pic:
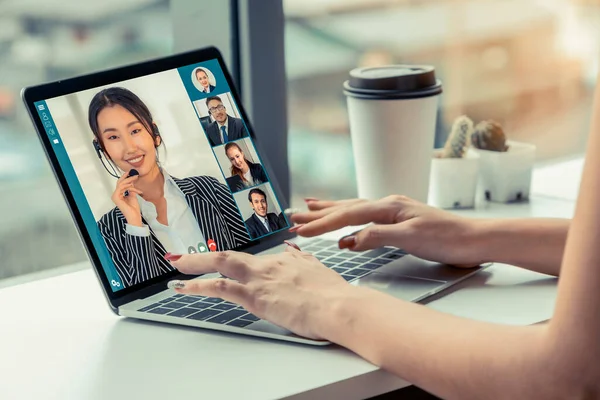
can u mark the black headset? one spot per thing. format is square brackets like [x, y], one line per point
[100, 151]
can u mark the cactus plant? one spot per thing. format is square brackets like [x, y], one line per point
[457, 141]
[488, 135]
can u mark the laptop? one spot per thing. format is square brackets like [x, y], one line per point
[178, 121]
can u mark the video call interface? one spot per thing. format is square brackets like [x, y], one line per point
[160, 164]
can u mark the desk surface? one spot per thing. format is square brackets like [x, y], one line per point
[558, 178]
[58, 340]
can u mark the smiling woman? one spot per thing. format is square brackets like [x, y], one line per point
[204, 80]
[244, 173]
[154, 212]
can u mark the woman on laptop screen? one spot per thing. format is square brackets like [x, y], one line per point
[244, 173]
[155, 213]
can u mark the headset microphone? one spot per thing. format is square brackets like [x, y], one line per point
[97, 147]
[132, 172]
[99, 152]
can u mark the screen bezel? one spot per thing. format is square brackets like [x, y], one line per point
[33, 94]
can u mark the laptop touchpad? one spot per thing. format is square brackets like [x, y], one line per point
[402, 287]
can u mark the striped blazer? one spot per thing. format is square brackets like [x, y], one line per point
[138, 259]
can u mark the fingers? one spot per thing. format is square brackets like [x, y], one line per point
[235, 265]
[226, 289]
[375, 236]
[130, 187]
[326, 207]
[132, 190]
[126, 184]
[122, 177]
[356, 214]
[304, 217]
[316, 205]
[296, 250]
[126, 177]
[120, 194]
[291, 246]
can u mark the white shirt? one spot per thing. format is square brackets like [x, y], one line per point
[182, 232]
[264, 221]
[226, 125]
[249, 179]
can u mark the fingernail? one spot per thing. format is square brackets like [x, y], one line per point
[172, 257]
[176, 284]
[290, 211]
[295, 228]
[309, 199]
[294, 245]
[347, 242]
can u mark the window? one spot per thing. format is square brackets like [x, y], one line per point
[531, 65]
[39, 44]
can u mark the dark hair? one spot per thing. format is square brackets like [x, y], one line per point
[213, 98]
[253, 191]
[235, 170]
[198, 70]
[126, 99]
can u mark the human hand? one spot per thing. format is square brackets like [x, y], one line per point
[128, 205]
[291, 289]
[424, 231]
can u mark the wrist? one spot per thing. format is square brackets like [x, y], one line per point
[134, 221]
[335, 312]
[486, 239]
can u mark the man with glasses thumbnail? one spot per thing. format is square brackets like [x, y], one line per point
[225, 128]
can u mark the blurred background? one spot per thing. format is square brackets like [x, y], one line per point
[529, 64]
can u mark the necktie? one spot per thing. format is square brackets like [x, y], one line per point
[225, 139]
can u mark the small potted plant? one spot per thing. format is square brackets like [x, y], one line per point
[505, 166]
[454, 169]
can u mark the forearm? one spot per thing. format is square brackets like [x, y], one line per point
[143, 263]
[533, 243]
[451, 357]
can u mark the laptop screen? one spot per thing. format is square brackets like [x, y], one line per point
[162, 163]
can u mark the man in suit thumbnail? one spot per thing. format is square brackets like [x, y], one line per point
[261, 222]
[225, 128]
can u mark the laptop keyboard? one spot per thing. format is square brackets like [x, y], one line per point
[349, 264]
[202, 308]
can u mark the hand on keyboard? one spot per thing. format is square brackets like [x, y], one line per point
[290, 289]
[399, 221]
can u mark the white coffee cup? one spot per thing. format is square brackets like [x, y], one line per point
[392, 112]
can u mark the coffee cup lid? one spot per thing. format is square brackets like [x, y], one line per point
[393, 82]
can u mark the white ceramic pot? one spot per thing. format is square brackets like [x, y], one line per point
[506, 176]
[453, 181]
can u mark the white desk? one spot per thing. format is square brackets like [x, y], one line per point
[58, 340]
[558, 178]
